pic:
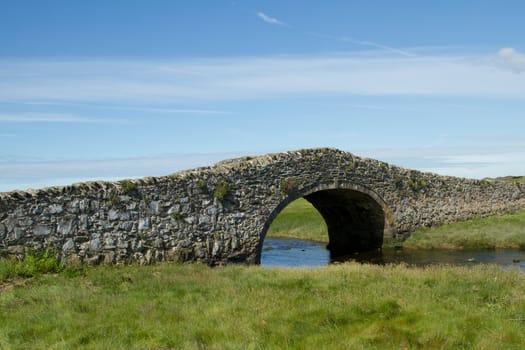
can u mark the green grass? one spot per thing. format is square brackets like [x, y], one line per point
[34, 264]
[299, 220]
[495, 232]
[347, 306]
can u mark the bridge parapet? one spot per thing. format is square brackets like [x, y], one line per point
[220, 214]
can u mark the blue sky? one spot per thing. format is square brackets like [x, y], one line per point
[117, 89]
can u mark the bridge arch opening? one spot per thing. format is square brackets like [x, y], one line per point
[357, 220]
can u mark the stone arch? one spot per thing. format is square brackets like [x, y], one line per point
[357, 218]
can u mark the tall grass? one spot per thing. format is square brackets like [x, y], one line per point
[33, 264]
[347, 306]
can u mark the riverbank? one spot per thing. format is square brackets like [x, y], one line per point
[300, 220]
[495, 232]
[334, 307]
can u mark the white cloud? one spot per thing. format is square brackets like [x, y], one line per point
[242, 78]
[471, 162]
[53, 118]
[173, 110]
[39, 173]
[490, 158]
[269, 19]
[512, 59]
[160, 110]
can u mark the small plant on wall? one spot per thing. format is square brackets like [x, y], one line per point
[485, 184]
[222, 190]
[417, 185]
[201, 184]
[113, 200]
[177, 215]
[287, 186]
[128, 186]
[351, 165]
[398, 181]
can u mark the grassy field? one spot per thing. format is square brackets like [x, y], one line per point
[347, 306]
[301, 220]
[495, 232]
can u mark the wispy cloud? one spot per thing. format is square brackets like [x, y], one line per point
[17, 174]
[371, 107]
[53, 118]
[471, 162]
[170, 110]
[474, 161]
[160, 110]
[368, 43]
[121, 82]
[377, 45]
[269, 19]
[512, 59]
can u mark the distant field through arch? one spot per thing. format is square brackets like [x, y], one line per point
[299, 219]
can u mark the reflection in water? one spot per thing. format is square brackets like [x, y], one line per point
[297, 253]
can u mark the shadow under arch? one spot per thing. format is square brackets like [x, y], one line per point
[357, 219]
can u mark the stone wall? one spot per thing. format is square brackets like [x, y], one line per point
[220, 214]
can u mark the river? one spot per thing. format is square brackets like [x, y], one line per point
[299, 253]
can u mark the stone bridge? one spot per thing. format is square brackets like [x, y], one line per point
[220, 214]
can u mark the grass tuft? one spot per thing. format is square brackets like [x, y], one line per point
[33, 264]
